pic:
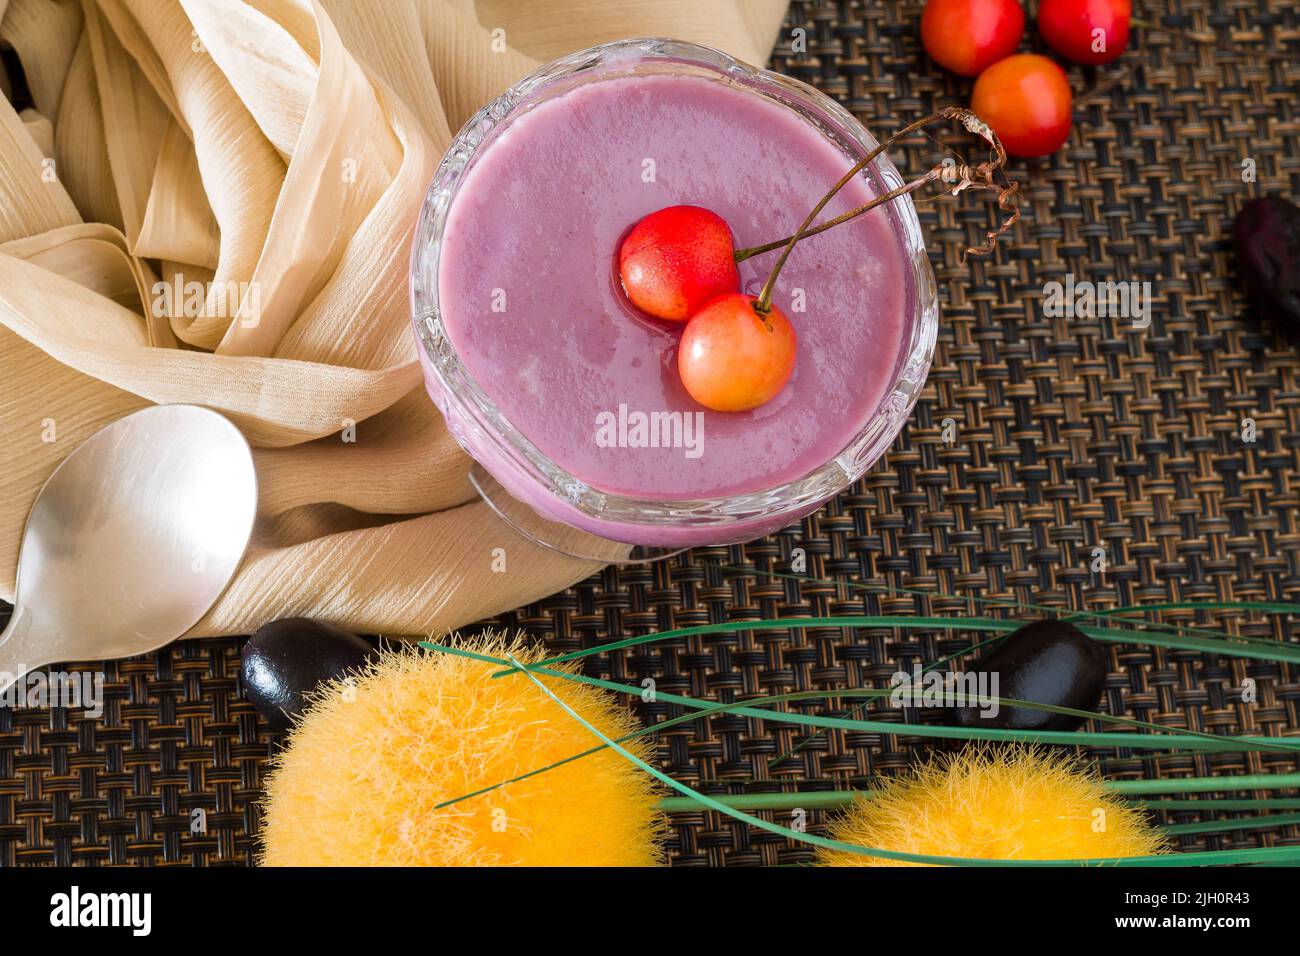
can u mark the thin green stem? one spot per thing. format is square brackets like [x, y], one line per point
[1192, 740]
[1266, 821]
[1063, 614]
[1267, 855]
[1278, 607]
[1193, 806]
[835, 799]
[1277, 651]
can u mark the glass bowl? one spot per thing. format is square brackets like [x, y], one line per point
[515, 466]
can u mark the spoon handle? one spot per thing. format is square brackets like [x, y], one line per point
[16, 648]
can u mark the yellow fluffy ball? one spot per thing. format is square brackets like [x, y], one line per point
[367, 764]
[1010, 803]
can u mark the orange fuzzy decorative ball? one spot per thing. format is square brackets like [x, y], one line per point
[1010, 803]
[369, 761]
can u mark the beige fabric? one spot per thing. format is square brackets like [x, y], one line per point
[271, 156]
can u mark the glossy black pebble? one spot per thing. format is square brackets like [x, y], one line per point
[285, 660]
[1266, 244]
[1046, 662]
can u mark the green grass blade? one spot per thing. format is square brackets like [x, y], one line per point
[1234, 784]
[717, 709]
[1167, 741]
[836, 799]
[639, 732]
[1276, 651]
[1042, 608]
[1193, 805]
[1266, 821]
[1272, 607]
[1269, 854]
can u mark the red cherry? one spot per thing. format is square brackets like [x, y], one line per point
[1090, 32]
[677, 259]
[966, 36]
[1026, 99]
[732, 357]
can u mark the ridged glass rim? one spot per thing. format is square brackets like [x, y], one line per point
[480, 421]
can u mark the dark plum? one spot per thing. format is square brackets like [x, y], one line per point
[1045, 662]
[1266, 241]
[286, 660]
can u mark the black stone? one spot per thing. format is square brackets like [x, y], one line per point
[285, 660]
[1045, 662]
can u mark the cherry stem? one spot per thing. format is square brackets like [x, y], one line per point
[743, 254]
[965, 176]
[1150, 25]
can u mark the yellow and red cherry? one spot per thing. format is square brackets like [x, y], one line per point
[967, 36]
[734, 357]
[1026, 98]
[675, 260]
[1091, 32]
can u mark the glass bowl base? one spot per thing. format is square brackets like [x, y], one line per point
[555, 536]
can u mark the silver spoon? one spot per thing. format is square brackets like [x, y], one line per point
[131, 540]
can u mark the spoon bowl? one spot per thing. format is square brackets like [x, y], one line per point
[131, 540]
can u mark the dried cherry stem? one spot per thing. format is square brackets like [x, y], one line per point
[1152, 25]
[964, 176]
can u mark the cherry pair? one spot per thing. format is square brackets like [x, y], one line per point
[679, 265]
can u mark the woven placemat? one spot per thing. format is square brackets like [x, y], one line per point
[1066, 435]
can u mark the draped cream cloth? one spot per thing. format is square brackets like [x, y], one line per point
[273, 155]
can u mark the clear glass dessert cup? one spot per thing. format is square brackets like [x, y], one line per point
[512, 474]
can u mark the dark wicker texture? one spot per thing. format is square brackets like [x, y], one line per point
[1071, 434]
